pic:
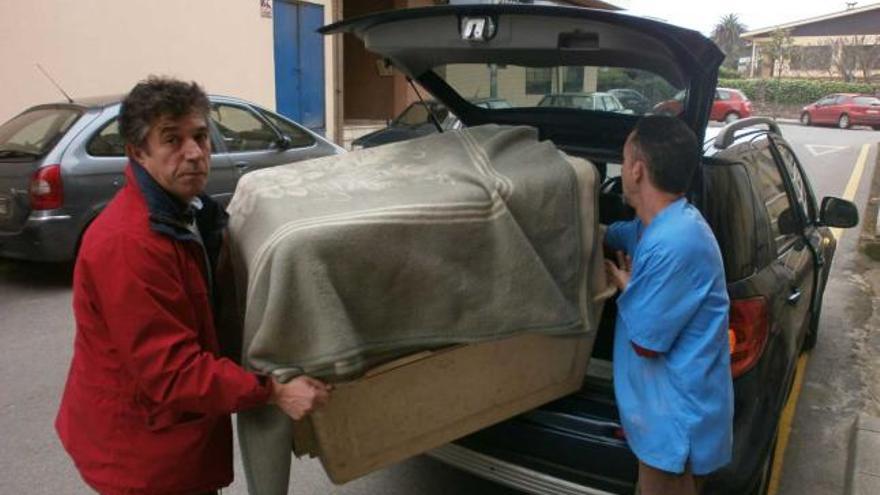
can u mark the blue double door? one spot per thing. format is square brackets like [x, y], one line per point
[299, 62]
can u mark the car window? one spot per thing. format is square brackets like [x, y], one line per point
[826, 101]
[241, 129]
[36, 131]
[771, 189]
[417, 114]
[298, 137]
[866, 100]
[802, 190]
[564, 86]
[108, 141]
[840, 100]
[722, 95]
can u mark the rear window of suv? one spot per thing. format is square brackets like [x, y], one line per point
[35, 132]
[594, 88]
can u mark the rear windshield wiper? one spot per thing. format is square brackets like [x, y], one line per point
[18, 154]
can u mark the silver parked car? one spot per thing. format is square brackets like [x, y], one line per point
[61, 163]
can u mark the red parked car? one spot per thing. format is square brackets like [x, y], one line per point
[844, 110]
[729, 105]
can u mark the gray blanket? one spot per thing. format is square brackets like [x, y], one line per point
[347, 261]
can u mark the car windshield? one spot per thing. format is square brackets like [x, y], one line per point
[602, 89]
[417, 114]
[866, 101]
[33, 133]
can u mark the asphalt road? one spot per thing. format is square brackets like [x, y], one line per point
[36, 332]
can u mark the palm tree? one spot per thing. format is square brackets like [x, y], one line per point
[727, 36]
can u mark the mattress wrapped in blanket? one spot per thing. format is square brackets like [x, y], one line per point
[346, 261]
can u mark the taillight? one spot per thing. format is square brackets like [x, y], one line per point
[45, 191]
[749, 328]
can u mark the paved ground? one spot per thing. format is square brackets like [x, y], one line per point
[842, 376]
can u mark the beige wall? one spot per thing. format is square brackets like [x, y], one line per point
[99, 47]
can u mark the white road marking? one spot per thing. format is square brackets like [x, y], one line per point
[823, 149]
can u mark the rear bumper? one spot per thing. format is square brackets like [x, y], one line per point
[49, 237]
[508, 474]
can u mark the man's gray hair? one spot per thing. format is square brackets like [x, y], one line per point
[154, 98]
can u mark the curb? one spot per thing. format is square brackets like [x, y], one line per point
[869, 239]
[863, 465]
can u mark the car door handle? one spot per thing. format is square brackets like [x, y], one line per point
[241, 165]
[794, 297]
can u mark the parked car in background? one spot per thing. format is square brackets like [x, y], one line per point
[605, 102]
[61, 163]
[751, 187]
[728, 106]
[416, 121]
[632, 100]
[843, 110]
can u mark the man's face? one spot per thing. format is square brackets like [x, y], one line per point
[177, 154]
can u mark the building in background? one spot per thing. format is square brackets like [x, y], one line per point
[843, 45]
[261, 50]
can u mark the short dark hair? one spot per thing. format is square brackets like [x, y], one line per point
[669, 147]
[154, 98]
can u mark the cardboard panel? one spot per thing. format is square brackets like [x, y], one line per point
[403, 410]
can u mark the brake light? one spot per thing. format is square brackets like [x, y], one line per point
[749, 329]
[45, 190]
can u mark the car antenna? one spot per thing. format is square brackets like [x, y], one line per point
[69, 99]
[428, 107]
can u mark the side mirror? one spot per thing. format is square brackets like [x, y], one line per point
[284, 142]
[836, 212]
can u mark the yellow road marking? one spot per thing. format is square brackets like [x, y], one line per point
[785, 426]
[787, 417]
[854, 180]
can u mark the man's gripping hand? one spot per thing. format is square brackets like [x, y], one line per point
[300, 396]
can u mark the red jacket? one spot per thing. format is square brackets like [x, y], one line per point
[147, 401]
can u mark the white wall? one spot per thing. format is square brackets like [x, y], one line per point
[99, 47]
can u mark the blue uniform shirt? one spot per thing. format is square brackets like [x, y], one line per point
[678, 407]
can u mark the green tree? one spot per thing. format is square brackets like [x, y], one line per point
[726, 35]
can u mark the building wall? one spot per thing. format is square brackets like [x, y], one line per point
[100, 47]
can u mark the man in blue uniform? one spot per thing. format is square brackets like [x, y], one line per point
[671, 352]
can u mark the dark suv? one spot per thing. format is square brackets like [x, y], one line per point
[773, 234]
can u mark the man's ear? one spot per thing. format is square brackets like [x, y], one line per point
[639, 171]
[134, 153]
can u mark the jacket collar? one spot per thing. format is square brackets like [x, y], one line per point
[168, 215]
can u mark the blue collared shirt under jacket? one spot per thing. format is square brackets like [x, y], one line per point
[676, 408]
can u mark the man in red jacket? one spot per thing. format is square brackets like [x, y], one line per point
[148, 397]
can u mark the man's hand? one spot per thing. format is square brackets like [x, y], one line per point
[621, 272]
[300, 396]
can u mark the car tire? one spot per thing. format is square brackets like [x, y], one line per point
[731, 117]
[806, 119]
[843, 121]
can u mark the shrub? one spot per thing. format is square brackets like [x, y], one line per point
[792, 91]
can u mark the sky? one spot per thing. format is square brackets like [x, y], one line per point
[755, 14]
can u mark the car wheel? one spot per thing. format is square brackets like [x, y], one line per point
[843, 121]
[806, 119]
[731, 117]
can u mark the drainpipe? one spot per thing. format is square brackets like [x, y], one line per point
[754, 59]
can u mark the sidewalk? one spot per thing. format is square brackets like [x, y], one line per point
[863, 468]
[863, 465]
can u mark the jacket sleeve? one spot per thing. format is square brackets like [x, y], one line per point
[151, 323]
